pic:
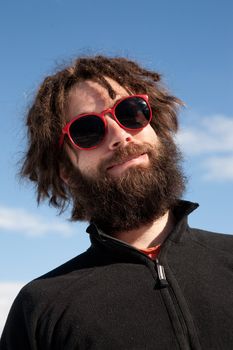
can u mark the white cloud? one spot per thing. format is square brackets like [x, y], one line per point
[212, 134]
[219, 168]
[210, 138]
[8, 292]
[19, 220]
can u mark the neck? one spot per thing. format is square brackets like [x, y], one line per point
[149, 235]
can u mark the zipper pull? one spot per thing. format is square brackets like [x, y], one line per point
[161, 274]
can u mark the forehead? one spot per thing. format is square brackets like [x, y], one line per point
[89, 96]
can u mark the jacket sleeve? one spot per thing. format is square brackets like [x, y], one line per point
[17, 333]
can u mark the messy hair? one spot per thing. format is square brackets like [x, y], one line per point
[46, 117]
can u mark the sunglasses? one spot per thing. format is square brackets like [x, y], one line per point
[87, 131]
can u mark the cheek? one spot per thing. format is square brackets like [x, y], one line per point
[86, 162]
[149, 135]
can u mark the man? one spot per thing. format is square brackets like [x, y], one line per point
[101, 137]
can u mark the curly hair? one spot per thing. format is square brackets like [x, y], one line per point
[46, 117]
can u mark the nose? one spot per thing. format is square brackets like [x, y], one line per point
[116, 135]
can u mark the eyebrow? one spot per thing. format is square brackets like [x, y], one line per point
[92, 112]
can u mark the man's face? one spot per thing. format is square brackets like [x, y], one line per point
[130, 179]
[89, 96]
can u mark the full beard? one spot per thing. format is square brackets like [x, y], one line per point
[139, 196]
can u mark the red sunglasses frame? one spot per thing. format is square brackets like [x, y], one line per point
[66, 128]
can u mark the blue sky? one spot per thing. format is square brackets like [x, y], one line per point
[189, 42]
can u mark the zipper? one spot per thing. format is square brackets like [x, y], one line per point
[161, 275]
[173, 308]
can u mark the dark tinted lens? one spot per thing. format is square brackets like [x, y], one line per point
[87, 131]
[133, 113]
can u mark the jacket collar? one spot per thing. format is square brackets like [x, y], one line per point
[119, 249]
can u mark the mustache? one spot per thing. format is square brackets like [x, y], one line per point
[125, 153]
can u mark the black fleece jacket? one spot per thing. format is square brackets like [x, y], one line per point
[114, 297]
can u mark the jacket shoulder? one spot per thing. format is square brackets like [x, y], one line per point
[50, 283]
[218, 241]
[82, 261]
[37, 297]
